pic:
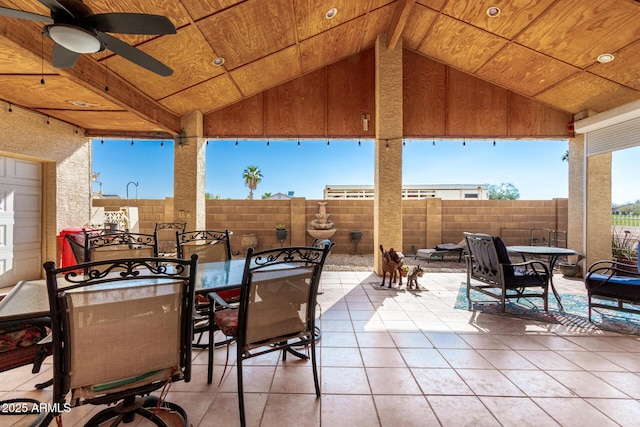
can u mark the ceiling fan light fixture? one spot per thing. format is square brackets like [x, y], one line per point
[605, 57]
[218, 62]
[331, 13]
[73, 38]
[493, 11]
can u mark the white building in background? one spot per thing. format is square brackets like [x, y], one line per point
[441, 191]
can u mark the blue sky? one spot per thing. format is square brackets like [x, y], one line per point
[534, 167]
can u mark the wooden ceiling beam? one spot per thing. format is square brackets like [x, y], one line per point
[90, 74]
[398, 22]
[124, 134]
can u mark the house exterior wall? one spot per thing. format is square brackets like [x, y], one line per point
[65, 154]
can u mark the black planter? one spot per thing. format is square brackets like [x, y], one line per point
[356, 236]
[281, 235]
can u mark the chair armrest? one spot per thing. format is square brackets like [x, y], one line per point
[214, 299]
[532, 264]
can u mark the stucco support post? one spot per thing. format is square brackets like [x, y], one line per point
[576, 202]
[598, 208]
[189, 173]
[387, 212]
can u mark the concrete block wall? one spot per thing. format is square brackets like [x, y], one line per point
[426, 222]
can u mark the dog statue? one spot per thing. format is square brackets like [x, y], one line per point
[392, 264]
[412, 278]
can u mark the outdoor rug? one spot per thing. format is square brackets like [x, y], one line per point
[574, 314]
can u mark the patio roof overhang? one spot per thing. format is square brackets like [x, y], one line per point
[544, 52]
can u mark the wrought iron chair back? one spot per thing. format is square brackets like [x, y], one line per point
[166, 235]
[121, 329]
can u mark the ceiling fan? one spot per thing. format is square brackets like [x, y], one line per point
[75, 29]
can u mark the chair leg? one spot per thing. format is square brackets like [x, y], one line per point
[210, 355]
[315, 367]
[243, 421]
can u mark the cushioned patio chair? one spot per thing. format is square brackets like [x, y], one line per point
[608, 280]
[210, 245]
[120, 332]
[489, 264]
[277, 307]
[166, 235]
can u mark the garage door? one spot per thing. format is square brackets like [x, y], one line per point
[20, 220]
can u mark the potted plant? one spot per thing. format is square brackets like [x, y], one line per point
[624, 249]
[281, 233]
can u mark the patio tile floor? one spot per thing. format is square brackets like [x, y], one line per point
[390, 358]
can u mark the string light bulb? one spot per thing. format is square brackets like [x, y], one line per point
[267, 142]
[328, 143]
[10, 110]
[236, 142]
[298, 142]
[102, 141]
[47, 119]
[132, 142]
[359, 143]
[161, 144]
[494, 142]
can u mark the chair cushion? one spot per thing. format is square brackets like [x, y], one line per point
[503, 255]
[625, 287]
[17, 338]
[227, 321]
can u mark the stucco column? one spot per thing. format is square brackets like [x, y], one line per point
[387, 211]
[576, 201]
[598, 208]
[189, 173]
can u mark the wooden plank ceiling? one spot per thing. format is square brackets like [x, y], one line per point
[544, 50]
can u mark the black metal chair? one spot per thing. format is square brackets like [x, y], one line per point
[166, 235]
[210, 245]
[277, 306]
[488, 262]
[121, 330]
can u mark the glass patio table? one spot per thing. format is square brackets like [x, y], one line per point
[552, 252]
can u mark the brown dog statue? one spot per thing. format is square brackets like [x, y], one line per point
[392, 264]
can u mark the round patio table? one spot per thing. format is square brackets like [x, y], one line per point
[551, 252]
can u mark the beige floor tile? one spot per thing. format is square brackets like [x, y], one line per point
[458, 358]
[410, 340]
[574, 412]
[629, 361]
[449, 413]
[440, 382]
[627, 382]
[506, 359]
[340, 356]
[338, 339]
[256, 379]
[224, 410]
[336, 326]
[289, 380]
[396, 381]
[344, 381]
[489, 382]
[548, 360]
[405, 411]
[517, 411]
[300, 410]
[483, 341]
[537, 384]
[590, 361]
[340, 410]
[585, 384]
[626, 412]
[423, 358]
[382, 358]
[445, 340]
[375, 339]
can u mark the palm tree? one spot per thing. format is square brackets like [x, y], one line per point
[252, 178]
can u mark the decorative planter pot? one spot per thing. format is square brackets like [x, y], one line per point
[628, 263]
[248, 241]
[281, 235]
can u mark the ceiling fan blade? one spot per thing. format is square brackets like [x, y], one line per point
[56, 7]
[131, 23]
[134, 55]
[62, 57]
[13, 13]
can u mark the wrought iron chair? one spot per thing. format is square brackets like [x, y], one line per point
[488, 263]
[210, 245]
[277, 306]
[121, 330]
[609, 280]
[166, 235]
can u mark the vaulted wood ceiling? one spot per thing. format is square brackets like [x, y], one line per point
[544, 50]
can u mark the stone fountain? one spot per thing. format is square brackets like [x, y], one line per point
[321, 227]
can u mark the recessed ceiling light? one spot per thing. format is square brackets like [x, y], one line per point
[605, 57]
[218, 62]
[331, 13]
[81, 104]
[493, 11]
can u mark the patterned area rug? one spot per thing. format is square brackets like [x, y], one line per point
[574, 313]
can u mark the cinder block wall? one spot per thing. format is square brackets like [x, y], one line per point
[425, 222]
